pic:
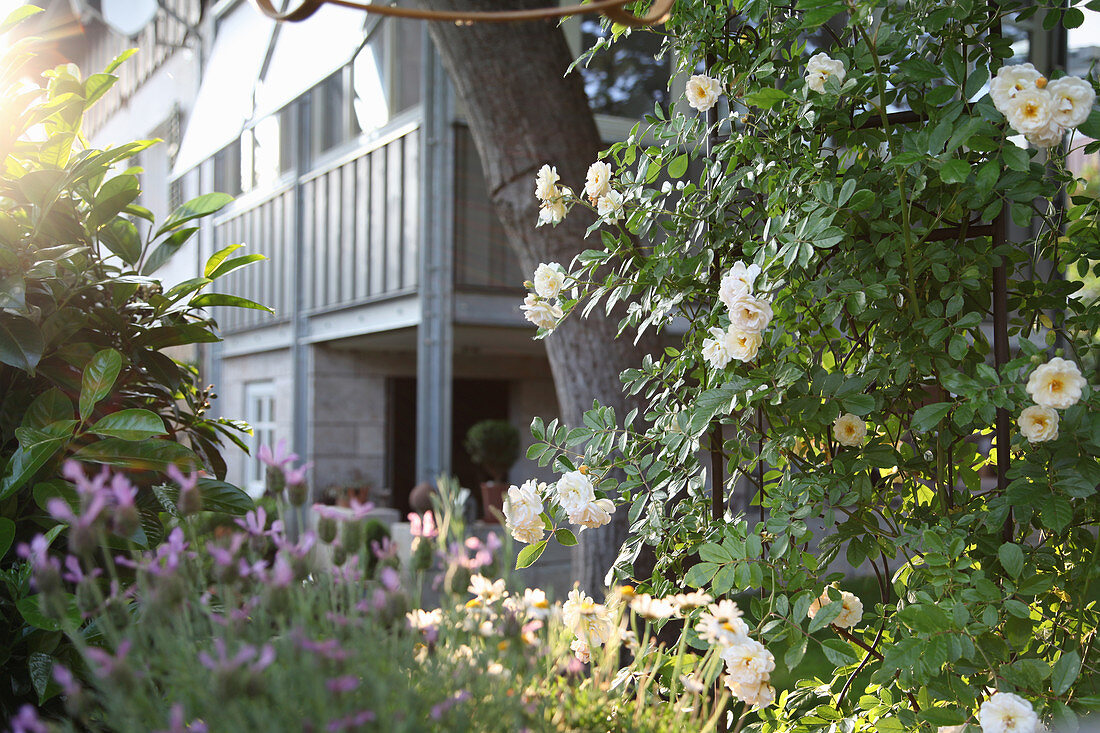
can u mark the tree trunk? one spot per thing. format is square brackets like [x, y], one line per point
[523, 112]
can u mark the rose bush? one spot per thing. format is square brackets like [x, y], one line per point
[819, 249]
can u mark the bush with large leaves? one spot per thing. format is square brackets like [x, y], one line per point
[83, 325]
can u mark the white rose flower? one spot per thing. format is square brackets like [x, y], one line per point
[820, 67]
[702, 92]
[528, 532]
[758, 695]
[1047, 137]
[851, 609]
[1011, 80]
[552, 211]
[548, 280]
[522, 510]
[651, 608]
[749, 314]
[487, 591]
[714, 349]
[721, 624]
[1030, 110]
[1073, 98]
[589, 621]
[541, 312]
[610, 206]
[1005, 712]
[575, 491]
[581, 651]
[738, 281]
[546, 183]
[1057, 384]
[849, 430]
[593, 514]
[1038, 424]
[748, 662]
[598, 181]
[742, 345]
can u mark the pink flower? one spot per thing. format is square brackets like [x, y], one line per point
[297, 476]
[347, 683]
[325, 511]
[384, 550]
[255, 523]
[176, 724]
[27, 721]
[280, 458]
[106, 664]
[423, 527]
[391, 581]
[264, 657]
[281, 575]
[360, 511]
[351, 722]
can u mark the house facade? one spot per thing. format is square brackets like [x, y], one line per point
[396, 323]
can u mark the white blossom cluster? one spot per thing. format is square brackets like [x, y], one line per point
[597, 187]
[1005, 712]
[574, 492]
[590, 622]
[1041, 111]
[1053, 386]
[554, 200]
[702, 92]
[820, 67]
[748, 664]
[540, 307]
[748, 316]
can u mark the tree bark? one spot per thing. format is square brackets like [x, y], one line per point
[524, 112]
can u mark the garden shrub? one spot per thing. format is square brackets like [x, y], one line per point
[83, 325]
[826, 228]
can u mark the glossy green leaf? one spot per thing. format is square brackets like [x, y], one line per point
[166, 249]
[131, 424]
[565, 537]
[51, 406]
[7, 535]
[207, 300]
[220, 496]
[1065, 672]
[1012, 559]
[99, 378]
[930, 416]
[21, 343]
[217, 258]
[32, 611]
[528, 555]
[196, 208]
[145, 455]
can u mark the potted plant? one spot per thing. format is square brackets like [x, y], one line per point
[494, 446]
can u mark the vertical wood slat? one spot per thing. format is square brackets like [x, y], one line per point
[317, 253]
[410, 190]
[362, 227]
[394, 215]
[333, 254]
[378, 220]
[347, 232]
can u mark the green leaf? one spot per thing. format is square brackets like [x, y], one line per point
[224, 497]
[51, 406]
[1091, 126]
[1012, 559]
[187, 333]
[145, 455]
[725, 579]
[166, 249]
[17, 16]
[711, 552]
[1056, 513]
[219, 257]
[700, 574]
[766, 98]
[21, 343]
[117, 61]
[528, 555]
[1065, 673]
[839, 652]
[32, 612]
[230, 265]
[954, 171]
[99, 378]
[678, 166]
[7, 535]
[122, 238]
[132, 424]
[1015, 158]
[565, 537]
[211, 299]
[40, 667]
[825, 615]
[113, 196]
[858, 404]
[930, 416]
[35, 448]
[196, 208]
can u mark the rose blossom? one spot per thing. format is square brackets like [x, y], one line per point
[552, 211]
[820, 67]
[702, 92]
[1005, 712]
[748, 662]
[1073, 98]
[610, 206]
[1030, 110]
[522, 510]
[542, 313]
[1047, 137]
[598, 181]
[721, 623]
[546, 183]
[581, 650]
[593, 514]
[737, 281]
[548, 280]
[1011, 80]
[759, 695]
[742, 345]
[749, 314]
[714, 349]
[1038, 424]
[849, 430]
[589, 621]
[1057, 384]
[575, 491]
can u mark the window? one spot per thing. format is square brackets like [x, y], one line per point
[626, 79]
[259, 410]
[331, 113]
[227, 169]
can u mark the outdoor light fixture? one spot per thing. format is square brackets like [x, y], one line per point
[612, 9]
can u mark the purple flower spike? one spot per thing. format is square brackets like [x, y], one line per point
[347, 683]
[297, 476]
[325, 511]
[279, 458]
[176, 724]
[255, 523]
[361, 511]
[384, 550]
[27, 721]
[391, 581]
[107, 664]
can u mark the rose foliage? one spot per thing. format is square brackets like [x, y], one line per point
[823, 265]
